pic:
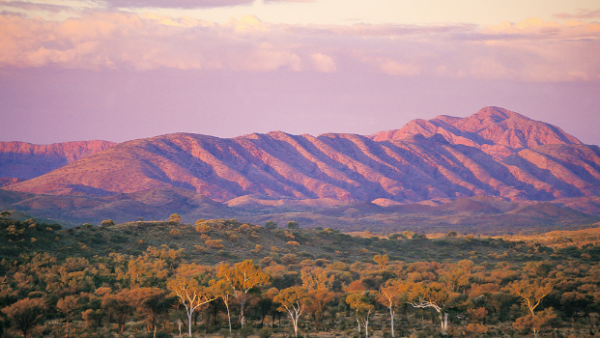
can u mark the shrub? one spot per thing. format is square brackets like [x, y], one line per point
[214, 243]
[158, 335]
[224, 333]
[233, 237]
[419, 237]
[265, 332]
[200, 249]
[118, 239]
[87, 226]
[290, 259]
[270, 225]
[265, 262]
[203, 228]
[108, 222]
[245, 331]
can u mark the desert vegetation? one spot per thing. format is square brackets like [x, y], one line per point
[169, 279]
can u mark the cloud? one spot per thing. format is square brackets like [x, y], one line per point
[183, 4]
[530, 51]
[323, 63]
[267, 1]
[31, 6]
[581, 14]
[399, 69]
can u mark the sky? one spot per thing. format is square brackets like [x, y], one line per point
[119, 70]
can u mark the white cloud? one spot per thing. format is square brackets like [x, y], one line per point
[533, 51]
[187, 4]
[323, 63]
[399, 69]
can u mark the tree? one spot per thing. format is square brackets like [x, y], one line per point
[457, 275]
[119, 306]
[68, 305]
[175, 218]
[270, 225]
[151, 303]
[25, 313]
[5, 213]
[266, 306]
[531, 293]
[318, 284]
[223, 289]
[292, 300]
[536, 323]
[432, 296]
[381, 260]
[243, 277]
[363, 308]
[316, 304]
[390, 295]
[293, 225]
[191, 294]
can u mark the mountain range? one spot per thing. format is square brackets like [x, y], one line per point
[494, 152]
[21, 161]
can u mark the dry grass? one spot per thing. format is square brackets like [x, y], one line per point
[560, 239]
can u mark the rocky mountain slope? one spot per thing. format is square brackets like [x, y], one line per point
[497, 131]
[493, 152]
[21, 161]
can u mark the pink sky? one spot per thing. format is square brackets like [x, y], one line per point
[111, 70]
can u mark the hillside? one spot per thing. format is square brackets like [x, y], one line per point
[494, 152]
[479, 215]
[236, 241]
[21, 161]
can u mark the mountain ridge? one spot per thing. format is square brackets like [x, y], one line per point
[493, 152]
[22, 161]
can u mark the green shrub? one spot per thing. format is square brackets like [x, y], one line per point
[224, 333]
[245, 331]
[158, 335]
[265, 332]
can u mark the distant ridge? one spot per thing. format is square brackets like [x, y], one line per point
[494, 152]
[23, 161]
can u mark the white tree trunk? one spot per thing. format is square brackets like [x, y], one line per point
[295, 317]
[189, 314]
[444, 324]
[242, 305]
[295, 323]
[228, 317]
[392, 320]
